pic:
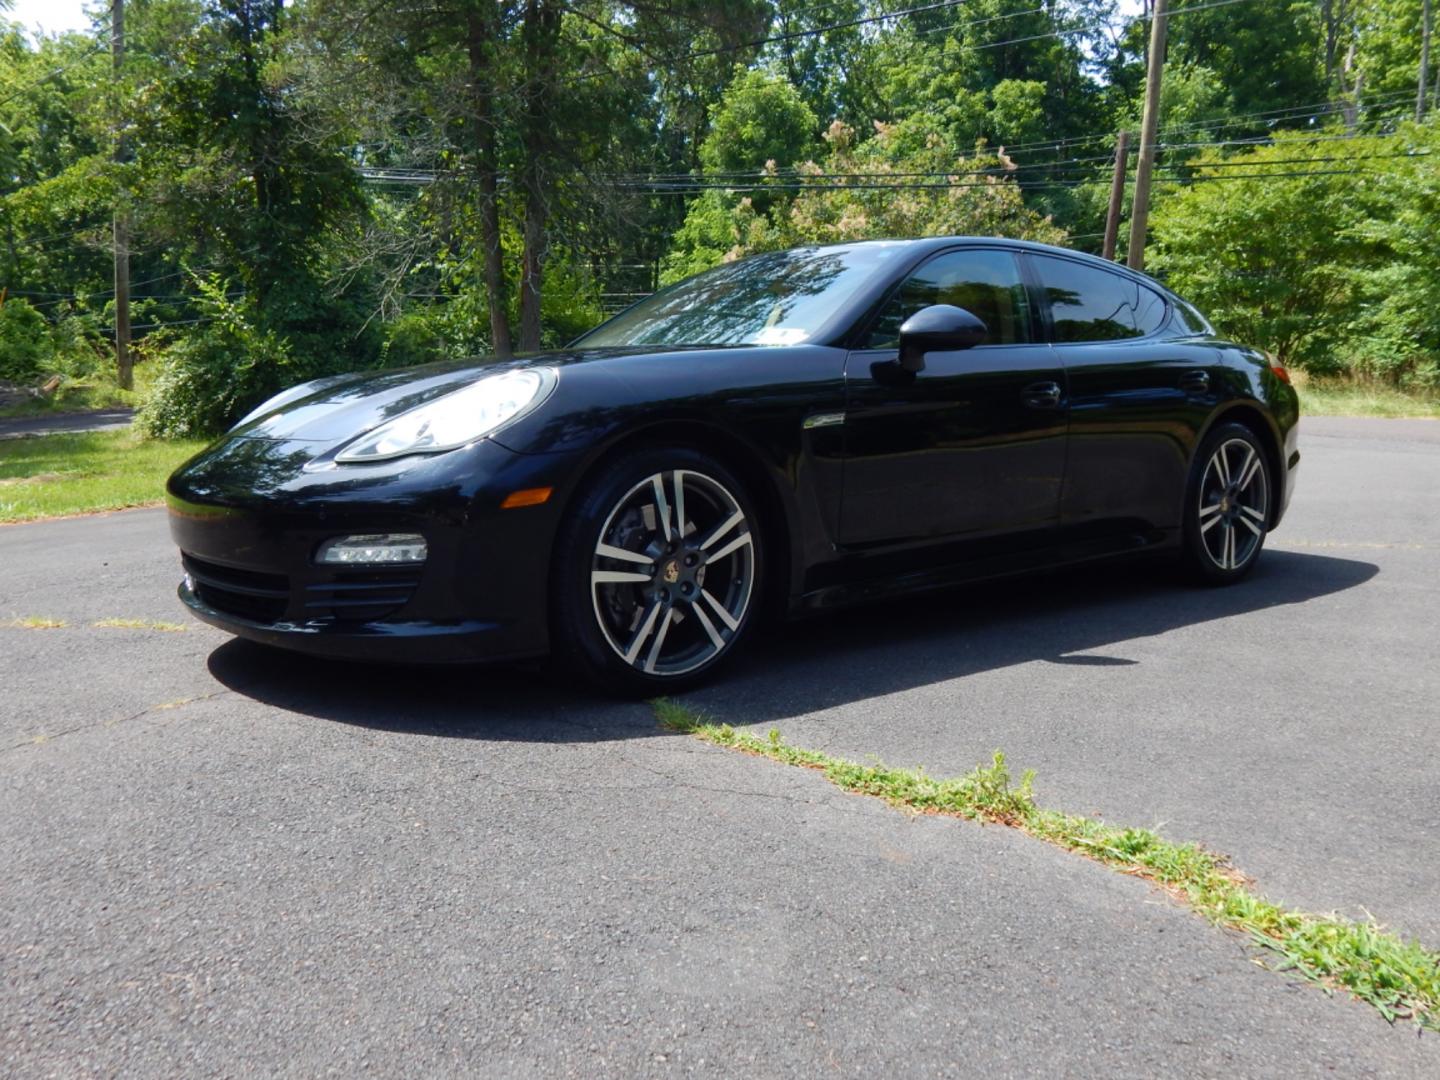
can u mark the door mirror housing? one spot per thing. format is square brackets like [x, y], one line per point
[939, 326]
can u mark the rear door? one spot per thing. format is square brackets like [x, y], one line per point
[1138, 391]
[971, 447]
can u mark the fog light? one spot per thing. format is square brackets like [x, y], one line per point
[371, 548]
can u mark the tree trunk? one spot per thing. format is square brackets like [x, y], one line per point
[541, 34]
[1350, 100]
[481, 31]
[1333, 16]
[261, 268]
[1424, 59]
[120, 224]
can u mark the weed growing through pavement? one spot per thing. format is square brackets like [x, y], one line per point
[139, 624]
[35, 622]
[1399, 978]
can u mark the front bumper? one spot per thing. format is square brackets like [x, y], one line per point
[403, 641]
[248, 546]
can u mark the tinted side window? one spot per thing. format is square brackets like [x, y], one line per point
[1150, 314]
[1192, 320]
[1090, 304]
[985, 283]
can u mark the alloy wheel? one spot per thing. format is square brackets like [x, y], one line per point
[672, 573]
[1234, 504]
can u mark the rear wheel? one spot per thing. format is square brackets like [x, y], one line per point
[1227, 507]
[657, 572]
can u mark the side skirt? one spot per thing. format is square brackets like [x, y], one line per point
[995, 567]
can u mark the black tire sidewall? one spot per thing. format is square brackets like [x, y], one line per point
[1198, 562]
[576, 641]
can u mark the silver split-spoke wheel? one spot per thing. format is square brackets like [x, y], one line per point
[673, 573]
[1234, 504]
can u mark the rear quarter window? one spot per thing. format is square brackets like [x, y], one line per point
[1189, 319]
[1152, 311]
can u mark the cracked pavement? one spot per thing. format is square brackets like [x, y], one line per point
[219, 860]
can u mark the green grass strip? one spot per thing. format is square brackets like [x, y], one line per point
[83, 472]
[1344, 397]
[1399, 978]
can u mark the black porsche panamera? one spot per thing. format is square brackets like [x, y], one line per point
[791, 431]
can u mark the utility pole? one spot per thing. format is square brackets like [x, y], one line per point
[1424, 58]
[124, 366]
[1140, 212]
[1117, 193]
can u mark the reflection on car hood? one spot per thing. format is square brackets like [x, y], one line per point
[343, 407]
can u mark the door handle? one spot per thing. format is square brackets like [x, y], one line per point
[1041, 395]
[1195, 382]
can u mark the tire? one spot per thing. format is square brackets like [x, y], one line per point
[1228, 505]
[657, 574]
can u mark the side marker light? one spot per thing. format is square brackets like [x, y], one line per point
[527, 497]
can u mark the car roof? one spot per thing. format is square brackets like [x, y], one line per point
[924, 245]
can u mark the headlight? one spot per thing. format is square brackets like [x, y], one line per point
[457, 418]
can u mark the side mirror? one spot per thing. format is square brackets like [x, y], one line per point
[939, 326]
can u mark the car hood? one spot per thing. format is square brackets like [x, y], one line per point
[339, 408]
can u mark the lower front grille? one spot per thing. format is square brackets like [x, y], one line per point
[360, 596]
[349, 596]
[247, 594]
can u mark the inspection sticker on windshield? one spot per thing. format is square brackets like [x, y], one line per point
[780, 335]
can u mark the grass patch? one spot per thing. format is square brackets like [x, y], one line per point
[98, 390]
[53, 475]
[1399, 978]
[35, 622]
[139, 624]
[72, 397]
[1328, 397]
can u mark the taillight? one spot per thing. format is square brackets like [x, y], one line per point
[1278, 368]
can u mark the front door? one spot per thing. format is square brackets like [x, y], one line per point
[973, 446]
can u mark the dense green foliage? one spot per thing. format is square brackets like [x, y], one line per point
[1333, 270]
[331, 184]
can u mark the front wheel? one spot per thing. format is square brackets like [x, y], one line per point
[657, 572]
[1227, 506]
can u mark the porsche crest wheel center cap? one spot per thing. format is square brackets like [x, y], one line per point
[685, 570]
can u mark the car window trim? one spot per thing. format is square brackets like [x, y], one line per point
[1043, 299]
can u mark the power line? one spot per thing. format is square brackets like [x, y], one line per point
[1313, 109]
[723, 178]
[794, 179]
[1024, 185]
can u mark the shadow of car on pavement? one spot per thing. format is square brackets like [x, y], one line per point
[799, 667]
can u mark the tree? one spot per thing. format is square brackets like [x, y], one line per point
[54, 180]
[1385, 45]
[903, 181]
[761, 119]
[1320, 252]
[1268, 54]
[1395, 334]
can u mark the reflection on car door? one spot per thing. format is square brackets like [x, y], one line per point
[973, 446]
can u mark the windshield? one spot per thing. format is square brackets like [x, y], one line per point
[781, 298]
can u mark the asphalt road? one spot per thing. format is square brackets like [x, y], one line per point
[217, 860]
[57, 423]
